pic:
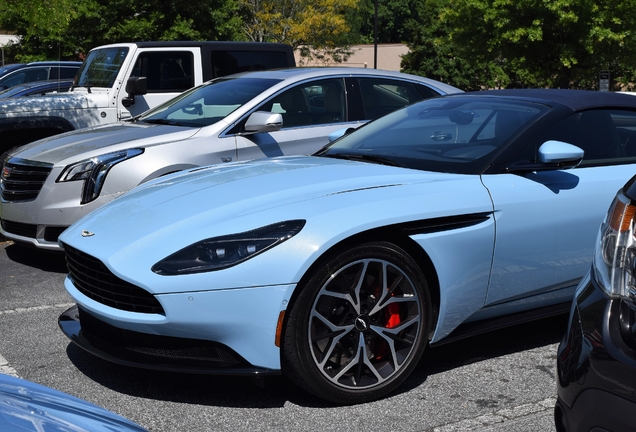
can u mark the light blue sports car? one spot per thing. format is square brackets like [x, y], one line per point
[449, 217]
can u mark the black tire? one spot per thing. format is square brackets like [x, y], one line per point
[359, 325]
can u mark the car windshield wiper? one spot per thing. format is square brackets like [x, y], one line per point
[363, 158]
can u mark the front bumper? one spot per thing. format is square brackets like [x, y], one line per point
[156, 352]
[596, 364]
[36, 224]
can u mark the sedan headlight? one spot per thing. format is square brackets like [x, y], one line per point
[93, 172]
[615, 254]
[218, 253]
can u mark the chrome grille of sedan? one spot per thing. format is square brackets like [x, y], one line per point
[22, 180]
[93, 279]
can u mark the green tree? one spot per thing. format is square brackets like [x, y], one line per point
[318, 28]
[546, 43]
[42, 26]
[53, 29]
[432, 53]
[392, 16]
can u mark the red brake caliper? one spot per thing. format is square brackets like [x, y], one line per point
[394, 315]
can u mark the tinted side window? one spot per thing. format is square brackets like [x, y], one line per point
[13, 79]
[66, 72]
[312, 103]
[166, 71]
[381, 96]
[229, 62]
[606, 136]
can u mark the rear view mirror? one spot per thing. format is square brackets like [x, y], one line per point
[137, 86]
[263, 121]
[134, 86]
[552, 155]
[461, 117]
[561, 153]
[340, 133]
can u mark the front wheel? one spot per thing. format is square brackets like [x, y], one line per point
[359, 325]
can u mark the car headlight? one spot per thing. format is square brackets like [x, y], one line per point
[93, 172]
[218, 253]
[615, 254]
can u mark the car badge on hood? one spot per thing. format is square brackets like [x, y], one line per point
[86, 233]
[6, 172]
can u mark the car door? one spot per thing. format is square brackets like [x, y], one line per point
[168, 73]
[547, 221]
[312, 110]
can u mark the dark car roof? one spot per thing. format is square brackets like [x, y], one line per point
[35, 87]
[8, 68]
[574, 99]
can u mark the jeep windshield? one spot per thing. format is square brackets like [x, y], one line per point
[208, 103]
[101, 67]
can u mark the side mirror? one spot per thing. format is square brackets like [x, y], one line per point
[263, 121]
[134, 86]
[553, 155]
[561, 153]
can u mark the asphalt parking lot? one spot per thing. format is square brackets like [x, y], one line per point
[500, 381]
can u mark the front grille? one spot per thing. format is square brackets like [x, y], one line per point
[93, 279]
[19, 228]
[158, 349]
[22, 180]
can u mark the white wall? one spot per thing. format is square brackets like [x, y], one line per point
[5, 39]
[389, 57]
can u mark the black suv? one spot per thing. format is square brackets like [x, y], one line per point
[20, 73]
[596, 361]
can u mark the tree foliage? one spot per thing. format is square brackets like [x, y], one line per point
[318, 28]
[52, 29]
[546, 43]
[471, 44]
[432, 53]
[391, 20]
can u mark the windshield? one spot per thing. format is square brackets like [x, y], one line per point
[449, 134]
[101, 67]
[208, 103]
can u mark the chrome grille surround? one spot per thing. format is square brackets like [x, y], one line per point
[22, 180]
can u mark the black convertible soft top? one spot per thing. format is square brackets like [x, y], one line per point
[574, 99]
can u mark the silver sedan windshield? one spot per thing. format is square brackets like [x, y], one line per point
[208, 103]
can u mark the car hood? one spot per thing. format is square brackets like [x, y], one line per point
[26, 407]
[260, 184]
[85, 143]
[65, 101]
[224, 199]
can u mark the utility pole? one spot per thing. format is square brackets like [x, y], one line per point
[375, 34]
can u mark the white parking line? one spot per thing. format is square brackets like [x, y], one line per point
[6, 369]
[498, 417]
[36, 308]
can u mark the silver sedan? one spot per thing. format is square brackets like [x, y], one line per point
[47, 185]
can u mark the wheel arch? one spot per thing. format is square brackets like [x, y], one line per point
[394, 235]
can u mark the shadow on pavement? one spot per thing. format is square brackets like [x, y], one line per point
[230, 391]
[32, 257]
